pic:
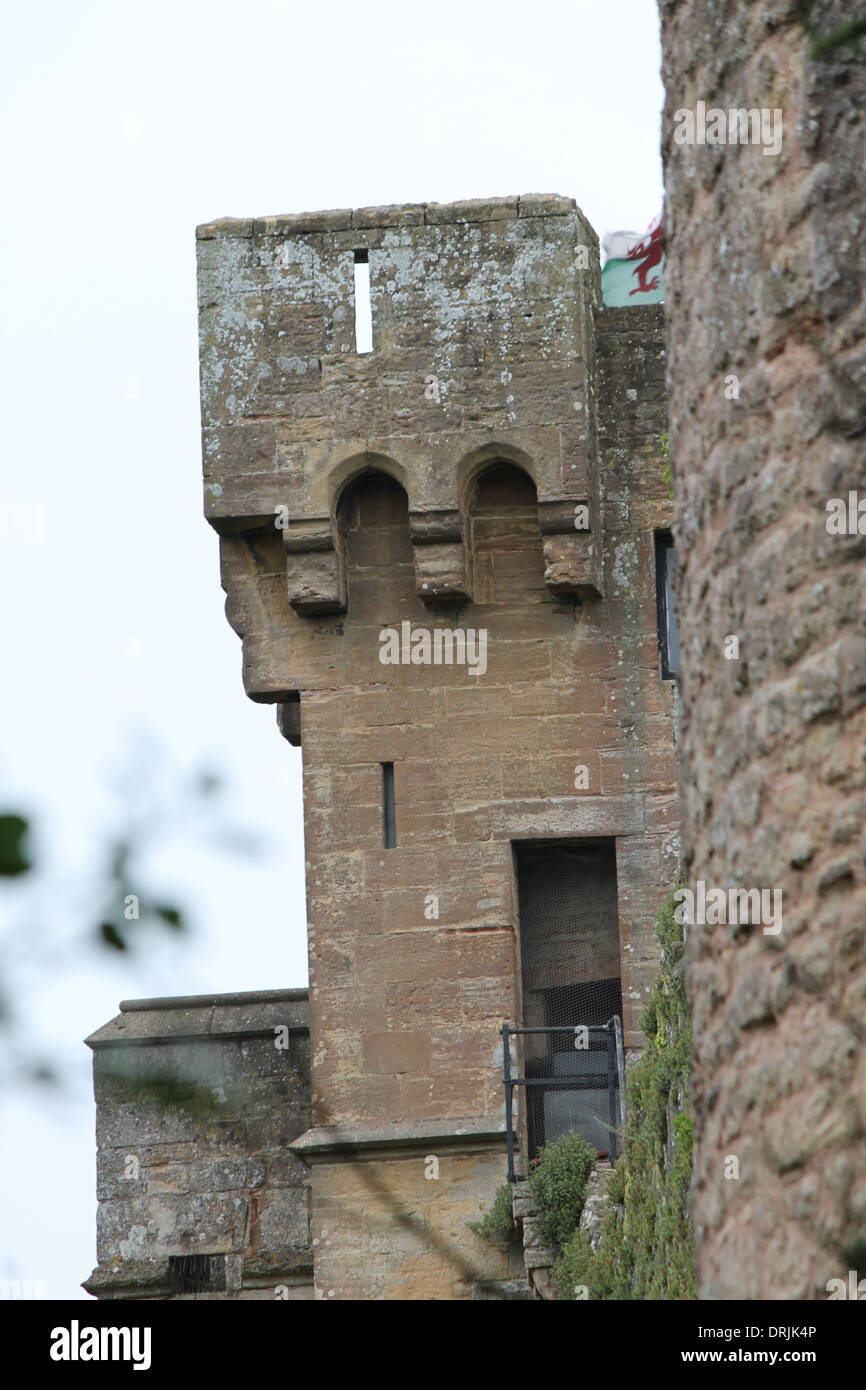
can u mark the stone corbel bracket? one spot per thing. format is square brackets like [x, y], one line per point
[572, 552]
[440, 556]
[315, 567]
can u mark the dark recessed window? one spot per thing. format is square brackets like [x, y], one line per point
[197, 1273]
[669, 638]
[570, 965]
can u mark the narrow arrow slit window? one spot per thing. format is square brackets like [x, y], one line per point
[389, 816]
[363, 306]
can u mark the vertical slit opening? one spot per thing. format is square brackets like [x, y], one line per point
[669, 640]
[389, 822]
[363, 306]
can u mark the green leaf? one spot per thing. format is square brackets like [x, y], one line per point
[13, 859]
[171, 915]
[112, 937]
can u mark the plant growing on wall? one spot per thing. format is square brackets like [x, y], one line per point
[497, 1225]
[665, 442]
[558, 1180]
[646, 1241]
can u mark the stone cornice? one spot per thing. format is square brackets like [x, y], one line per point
[326, 1143]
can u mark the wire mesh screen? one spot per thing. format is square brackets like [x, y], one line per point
[569, 946]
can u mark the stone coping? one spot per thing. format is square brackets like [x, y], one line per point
[210, 1001]
[201, 1017]
[395, 215]
[151, 1278]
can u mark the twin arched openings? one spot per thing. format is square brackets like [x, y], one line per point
[502, 540]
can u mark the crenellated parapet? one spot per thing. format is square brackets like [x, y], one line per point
[482, 350]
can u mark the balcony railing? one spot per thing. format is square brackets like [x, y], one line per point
[591, 1073]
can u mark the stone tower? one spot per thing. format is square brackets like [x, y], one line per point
[476, 472]
[440, 554]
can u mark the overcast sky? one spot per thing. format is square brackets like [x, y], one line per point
[123, 127]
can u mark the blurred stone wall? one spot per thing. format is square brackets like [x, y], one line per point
[197, 1101]
[767, 381]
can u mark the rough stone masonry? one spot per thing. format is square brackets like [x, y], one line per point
[767, 376]
[493, 464]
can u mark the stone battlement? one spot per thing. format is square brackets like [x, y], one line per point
[393, 215]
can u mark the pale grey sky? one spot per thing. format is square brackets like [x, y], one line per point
[123, 127]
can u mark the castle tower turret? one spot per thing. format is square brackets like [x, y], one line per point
[445, 552]
[450, 597]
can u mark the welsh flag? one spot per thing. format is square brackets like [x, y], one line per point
[634, 266]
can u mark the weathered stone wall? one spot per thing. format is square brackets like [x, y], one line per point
[197, 1102]
[498, 398]
[391, 1210]
[630, 350]
[764, 302]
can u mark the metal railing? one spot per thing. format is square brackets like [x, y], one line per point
[615, 1078]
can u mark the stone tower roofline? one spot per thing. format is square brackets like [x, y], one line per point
[373, 219]
[483, 352]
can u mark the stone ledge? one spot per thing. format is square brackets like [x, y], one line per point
[146, 1279]
[204, 1017]
[207, 1001]
[539, 1256]
[324, 1142]
[511, 1290]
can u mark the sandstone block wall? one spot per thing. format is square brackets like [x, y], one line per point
[196, 1107]
[392, 1205]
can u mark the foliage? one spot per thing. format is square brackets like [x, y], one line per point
[846, 35]
[558, 1180]
[497, 1225]
[111, 903]
[13, 857]
[646, 1243]
[665, 442]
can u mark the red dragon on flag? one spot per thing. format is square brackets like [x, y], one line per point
[631, 254]
[648, 253]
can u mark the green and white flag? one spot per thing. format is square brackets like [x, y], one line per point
[634, 267]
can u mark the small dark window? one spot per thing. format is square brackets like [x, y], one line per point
[389, 816]
[669, 638]
[197, 1273]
